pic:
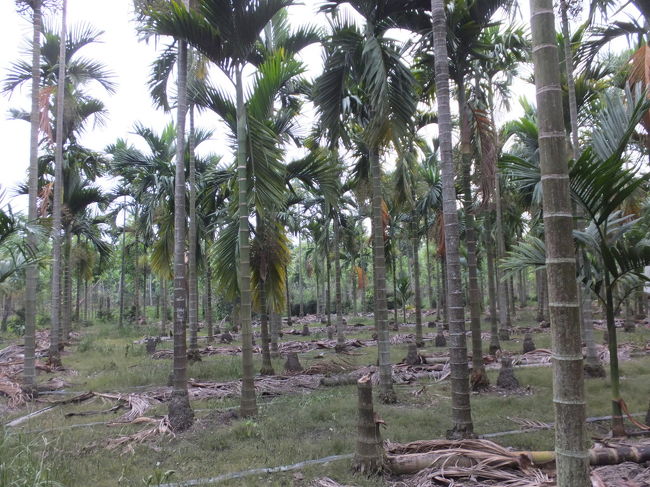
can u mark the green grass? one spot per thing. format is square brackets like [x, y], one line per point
[288, 429]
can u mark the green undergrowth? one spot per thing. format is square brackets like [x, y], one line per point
[287, 430]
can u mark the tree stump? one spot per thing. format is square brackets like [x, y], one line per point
[393, 325]
[330, 332]
[150, 344]
[504, 334]
[507, 379]
[368, 457]
[305, 330]
[412, 357]
[225, 337]
[440, 340]
[194, 355]
[629, 326]
[292, 364]
[529, 345]
[431, 324]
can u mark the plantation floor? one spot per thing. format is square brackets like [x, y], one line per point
[288, 429]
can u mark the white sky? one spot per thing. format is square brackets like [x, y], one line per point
[130, 61]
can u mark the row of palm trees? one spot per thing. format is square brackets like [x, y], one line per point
[372, 101]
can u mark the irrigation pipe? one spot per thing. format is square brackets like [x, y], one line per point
[257, 471]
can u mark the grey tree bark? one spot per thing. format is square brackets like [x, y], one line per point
[31, 273]
[180, 412]
[572, 459]
[340, 336]
[248, 404]
[386, 392]
[192, 284]
[55, 333]
[460, 403]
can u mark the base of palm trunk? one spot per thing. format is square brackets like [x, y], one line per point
[440, 340]
[618, 427]
[267, 370]
[340, 348]
[194, 355]
[479, 380]
[504, 334]
[460, 433]
[529, 344]
[181, 416]
[369, 454]
[388, 397]
[54, 359]
[412, 357]
[292, 364]
[305, 331]
[494, 348]
[594, 371]
[507, 379]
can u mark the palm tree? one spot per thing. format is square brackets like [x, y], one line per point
[55, 316]
[227, 32]
[461, 410]
[31, 273]
[366, 80]
[568, 394]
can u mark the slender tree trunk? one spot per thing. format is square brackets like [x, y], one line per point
[618, 428]
[479, 379]
[145, 275]
[572, 460]
[386, 392]
[122, 268]
[494, 327]
[442, 290]
[287, 290]
[31, 273]
[340, 337]
[136, 270]
[248, 405]
[208, 301]
[328, 289]
[300, 286]
[541, 288]
[163, 298]
[77, 309]
[267, 366]
[415, 243]
[276, 324]
[193, 298]
[523, 298]
[394, 285]
[54, 355]
[429, 279]
[504, 312]
[318, 306]
[460, 403]
[180, 412]
[66, 322]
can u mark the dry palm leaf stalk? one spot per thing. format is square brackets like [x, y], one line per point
[537, 356]
[530, 424]
[326, 482]
[161, 427]
[325, 368]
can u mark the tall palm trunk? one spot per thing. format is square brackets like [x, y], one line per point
[300, 286]
[504, 311]
[122, 268]
[386, 392]
[267, 366]
[618, 428]
[328, 289]
[208, 302]
[66, 305]
[394, 265]
[494, 326]
[460, 404]
[248, 404]
[568, 392]
[180, 413]
[163, 298]
[54, 356]
[340, 337]
[415, 244]
[192, 285]
[429, 279]
[288, 294]
[31, 274]
[479, 378]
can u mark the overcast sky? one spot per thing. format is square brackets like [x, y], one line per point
[128, 59]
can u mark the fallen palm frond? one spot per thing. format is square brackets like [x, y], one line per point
[530, 423]
[607, 476]
[477, 476]
[327, 368]
[401, 373]
[325, 482]
[138, 404]
[161, 428]
[537, 356]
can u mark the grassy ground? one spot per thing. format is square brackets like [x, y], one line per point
[289, 429]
